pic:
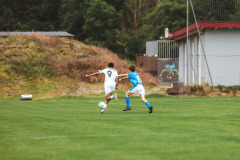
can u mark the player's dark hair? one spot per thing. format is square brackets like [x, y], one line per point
[110, 65]
[132, 68]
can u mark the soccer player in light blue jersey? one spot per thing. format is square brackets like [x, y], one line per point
[137, 88]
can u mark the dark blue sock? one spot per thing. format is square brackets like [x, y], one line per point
[127, 101]
[147, 104]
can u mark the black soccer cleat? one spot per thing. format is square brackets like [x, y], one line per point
[150, 109]
[127, 108]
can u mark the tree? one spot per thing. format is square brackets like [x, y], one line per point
[72, 17]
[29, 15]
[214, 10]
[11, 13]
[235, 17]
[7, 19]
[131, 38]
[167, 14]
[100, 23]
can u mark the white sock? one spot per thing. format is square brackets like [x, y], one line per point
[112, 96]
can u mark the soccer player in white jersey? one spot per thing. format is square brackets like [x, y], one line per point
[110, 83]
[137, 89]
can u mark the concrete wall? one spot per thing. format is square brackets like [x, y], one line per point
[148, 63]
[139, 60]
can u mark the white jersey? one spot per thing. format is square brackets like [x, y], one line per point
[110, 78]
[110, 74]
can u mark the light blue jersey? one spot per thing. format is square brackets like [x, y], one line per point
[134, 78]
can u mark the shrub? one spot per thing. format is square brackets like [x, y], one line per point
[197, 90]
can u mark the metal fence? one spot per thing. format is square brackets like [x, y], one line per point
[163, 49]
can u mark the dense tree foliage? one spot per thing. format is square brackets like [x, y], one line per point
[120, 25]
[72, 17]
[100, 23]
[213, 11]
[171, 14]
[27, 15]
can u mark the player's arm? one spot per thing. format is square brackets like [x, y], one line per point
[123, 78]
[93, 74]
[117, 81]
[120, 76]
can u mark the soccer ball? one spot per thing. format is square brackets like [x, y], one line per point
[102, 105]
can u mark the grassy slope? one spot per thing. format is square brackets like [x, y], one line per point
[180, 128]
[51, 67]
[29, 65]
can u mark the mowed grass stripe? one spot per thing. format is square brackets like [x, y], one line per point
[73, 128]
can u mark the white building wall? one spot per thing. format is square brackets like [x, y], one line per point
[190, 64]
[182, 61]
[222, 48]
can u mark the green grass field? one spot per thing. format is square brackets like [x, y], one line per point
[200, 128]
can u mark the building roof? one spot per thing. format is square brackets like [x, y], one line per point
[54, 34]
[201, 25]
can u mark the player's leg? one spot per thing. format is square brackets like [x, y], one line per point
[108, 98]
[110, 88]
[106, 101]
[127, 94]
[143, 98]
[141, 91]
[114, 97]
[146, 103]
[103, 109]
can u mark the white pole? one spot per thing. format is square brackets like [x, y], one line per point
[193, 62]
[200, 61]
[187, 45]
[185, 60]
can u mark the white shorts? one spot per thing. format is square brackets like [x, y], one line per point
[109, 87]
[139, 89]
